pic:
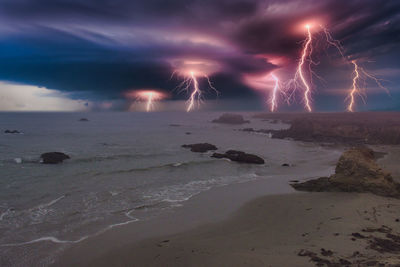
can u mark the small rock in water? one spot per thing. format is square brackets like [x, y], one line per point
[18, 160]
[239, 156]
[285, 165]
[53, 157]
[83, 119]
[201, 147]
[12, 132]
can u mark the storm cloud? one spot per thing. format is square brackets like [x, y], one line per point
[102, 48]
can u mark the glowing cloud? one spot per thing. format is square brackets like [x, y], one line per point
[147, 96]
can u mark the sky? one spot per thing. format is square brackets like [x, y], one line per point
[89, 54]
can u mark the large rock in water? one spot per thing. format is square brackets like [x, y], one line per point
[230, 119]
[201, 147]
[356, 171]
[239, 156]
[53, 157]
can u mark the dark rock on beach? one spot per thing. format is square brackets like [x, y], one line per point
[230, 119]
[239, 156]
[248, 130]
[356, 171]
[201, 147]
[53, 157]
[12, 132]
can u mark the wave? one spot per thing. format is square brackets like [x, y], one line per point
[98, 158]
[118, 156]
[59, 241]
[184, 192]
[168, 165]
[168, 197]
[4, 214]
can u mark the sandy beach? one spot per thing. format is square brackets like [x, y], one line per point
[288, 229]
[272, 231]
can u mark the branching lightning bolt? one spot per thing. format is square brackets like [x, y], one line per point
[305, 56]
[191, 81]
[360, 73]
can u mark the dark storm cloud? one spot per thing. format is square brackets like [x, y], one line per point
[109, 46]
[362, 24]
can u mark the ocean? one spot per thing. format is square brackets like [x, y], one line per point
[124, 167]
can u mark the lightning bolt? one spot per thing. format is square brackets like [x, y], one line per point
[189, 81]
[307, 50]
[149, 102]
[196, 93]
[360, 73]
[354, 89]
[333, 42]
[273, 101]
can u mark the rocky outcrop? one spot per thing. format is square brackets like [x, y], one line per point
[356, 171]
[344, 128]
[230, 119]
[83, 119]
[201, 147]
[239, 156]
[53, 157]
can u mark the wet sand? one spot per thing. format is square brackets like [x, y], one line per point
[271, 231]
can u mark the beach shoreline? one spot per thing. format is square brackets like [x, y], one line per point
[257, 223]
[270, 230]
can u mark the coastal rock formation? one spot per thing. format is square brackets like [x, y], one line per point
[53, 157]
[356, 171]
[354, 129]
[239, 156]
[12, 132]
[230, 119]
[201, 147]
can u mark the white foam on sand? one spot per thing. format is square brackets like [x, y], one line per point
[46, 238]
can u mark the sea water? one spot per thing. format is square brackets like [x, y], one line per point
[124, 167]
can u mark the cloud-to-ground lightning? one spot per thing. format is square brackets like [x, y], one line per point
[192, 71]
[354, 89]
[146, 96]
[196, 93]
[270, 84]
[303, 76]
[273, 98]
[360, 73]
[300, 79]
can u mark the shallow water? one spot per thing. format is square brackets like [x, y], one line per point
[124, 167]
